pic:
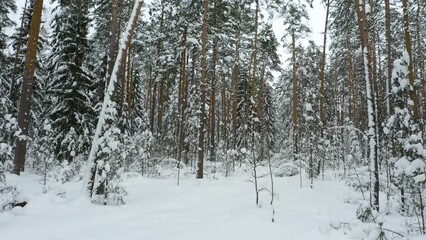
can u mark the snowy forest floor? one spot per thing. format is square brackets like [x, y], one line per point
[157, 209]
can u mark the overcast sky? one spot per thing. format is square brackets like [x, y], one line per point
[316, 23]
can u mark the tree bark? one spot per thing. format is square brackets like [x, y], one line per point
[322, 73]
[389, 53]
[413, 95]
[200, 163]
[295, 98]
[182, 96]
[212, 117]
[129, 82]
[24, 113]
[322, 78]
[421, 63]
[372, 124]
[113, 39]
[253, 76]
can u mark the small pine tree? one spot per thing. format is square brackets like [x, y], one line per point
[105, 184]
[409, 152]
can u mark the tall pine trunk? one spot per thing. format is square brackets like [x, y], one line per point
[113, 40]
[24, 113]
[200, 163]
[413, 95]
[389, 54]
[371, 112]
[322, 81]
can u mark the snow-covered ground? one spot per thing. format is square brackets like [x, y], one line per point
[158, 209]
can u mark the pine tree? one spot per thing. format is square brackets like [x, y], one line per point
[402, 129]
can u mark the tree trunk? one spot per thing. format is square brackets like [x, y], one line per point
[235, 102]
[322, 74]
[113, 39]
[389, 53]
[212, 117]
[413, 95]
[24, 113]
[200, 163]
[160, 106]
[253, 75]
[153, 105]
[295, 98]
[322, 78]
[129, 82]
[372, 124]
[182, 96]
[261, 114]
[421, 63]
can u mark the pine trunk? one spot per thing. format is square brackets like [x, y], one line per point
[371, 111]
[413, 95]
[200, 163]
[295, 99]
[389, 54]
[24, 113]
[113, 39]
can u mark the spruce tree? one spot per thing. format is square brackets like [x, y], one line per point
[71, 81]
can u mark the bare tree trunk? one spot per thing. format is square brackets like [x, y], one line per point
[295, 98]
[200, 163]
[212, 113]
[421, 63]
[182, 96]
[123, 77]
[261, 114]
[389, 53]
[322, 79]
[153, 105]
[351, 78]
[24, 113]
[253, 75]
[129, 82]
[413, 95]
[234, 102]
[160, 106]
[113, 39]
[372, 124]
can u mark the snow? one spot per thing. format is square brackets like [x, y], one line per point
[416, 165]
[420, 178]
[157, 209]
[308, 107]
[193, 41]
